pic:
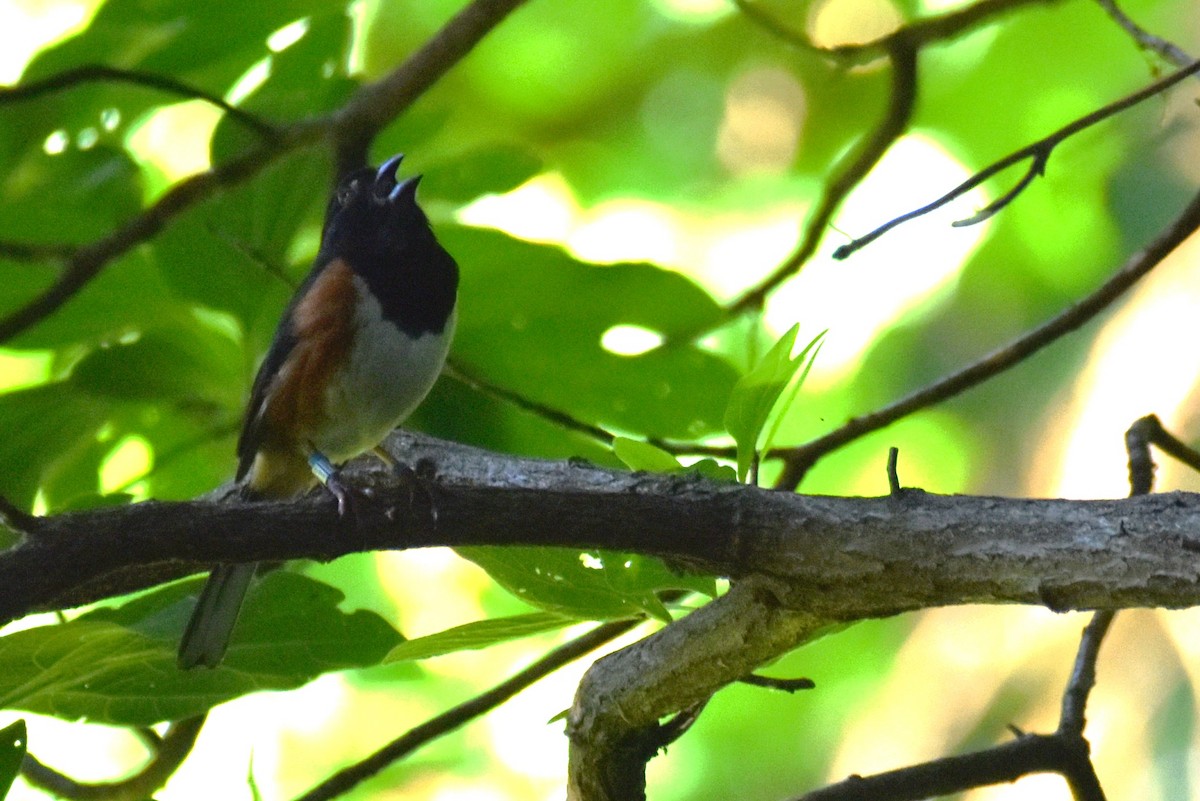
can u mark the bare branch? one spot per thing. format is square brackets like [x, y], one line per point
[1037, 154]
[614, 723]
[1083, 676]
[1141, 435]
[1171, 53]
[348, 778]
[1030, 753]
[799, 460]
[552, 415]
[377, 104]
[167, 757]
[36, 251]
[849, 173]
[99, 73]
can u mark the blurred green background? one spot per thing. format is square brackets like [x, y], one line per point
[610, 174]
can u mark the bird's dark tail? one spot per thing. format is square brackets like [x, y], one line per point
[211, 627]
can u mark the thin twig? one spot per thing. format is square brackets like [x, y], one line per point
[893, 473]
[1141, 435]
[1032, 753]
[36, 251]
[89, 260]
[1065, 751]
[101, 73]
[851, 171]
[345, 780]
[775, 27]
[175, 746]
[1037, 154]
[798, 460]
[782, 685]
[556, 416]
[1083, 675]
[1171, 53]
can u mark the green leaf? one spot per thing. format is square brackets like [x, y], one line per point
[529, 311]
[44, 427]
[231, 253]
[755, 395]
[714, 470]
[190, 363]
[74, 196]
[638, 455]
[13, 744]
[490, 170]
[480, 634]
[117, 666]
[592, 585]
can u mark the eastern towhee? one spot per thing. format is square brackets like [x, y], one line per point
[360, 345]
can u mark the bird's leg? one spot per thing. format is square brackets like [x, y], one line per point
[331, 478]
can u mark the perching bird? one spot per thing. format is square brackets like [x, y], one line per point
[360, 345]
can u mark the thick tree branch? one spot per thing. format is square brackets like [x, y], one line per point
[841, 558]
[613, 724]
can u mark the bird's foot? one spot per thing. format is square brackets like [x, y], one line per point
[418, 482]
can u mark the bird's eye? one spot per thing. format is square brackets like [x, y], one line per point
[346, 193]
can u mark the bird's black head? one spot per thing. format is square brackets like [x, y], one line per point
[374, 224]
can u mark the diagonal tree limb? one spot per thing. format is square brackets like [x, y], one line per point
[101, 73]
[168, 754]
[349, 130]
[849, 173]
[614, 725]
[345, 780]
[1036, 154]
[1171, 53]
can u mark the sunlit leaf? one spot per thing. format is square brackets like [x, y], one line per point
[532, 320]
[479, 634]
[755, 395]
[638, 455]
[117, 666]
[592, 585]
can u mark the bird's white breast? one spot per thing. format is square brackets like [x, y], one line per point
[386, 376]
